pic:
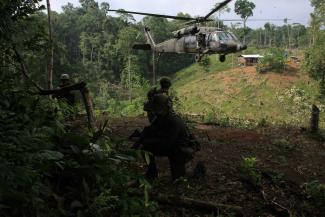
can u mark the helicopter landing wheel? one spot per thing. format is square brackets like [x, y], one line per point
[222, 58]
[198, 57]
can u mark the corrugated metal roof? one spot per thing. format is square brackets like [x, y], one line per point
[252, 56]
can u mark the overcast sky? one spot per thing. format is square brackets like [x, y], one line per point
[296, 10]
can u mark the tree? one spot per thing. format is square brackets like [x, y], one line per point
[314, 57]
[319, 10]
[244, 8]
[315, 61]
[51, 49]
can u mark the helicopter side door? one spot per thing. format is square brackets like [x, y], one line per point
[190, 44]
[213, 41]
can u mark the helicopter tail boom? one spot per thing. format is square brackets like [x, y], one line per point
[149, 38]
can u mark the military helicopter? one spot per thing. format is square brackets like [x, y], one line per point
[198, 40]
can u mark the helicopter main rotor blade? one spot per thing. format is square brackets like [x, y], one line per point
[154, 15]
[198, 20]
[220, 6]
[250, 20]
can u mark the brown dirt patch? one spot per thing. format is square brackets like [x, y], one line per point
[289, 155]
[286, 78]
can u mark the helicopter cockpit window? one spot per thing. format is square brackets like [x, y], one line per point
[223, 36]
[231, 36]
[213, 37]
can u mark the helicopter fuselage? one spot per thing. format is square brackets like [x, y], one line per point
[200, 41]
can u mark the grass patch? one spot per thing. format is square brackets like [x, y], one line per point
[244, 94]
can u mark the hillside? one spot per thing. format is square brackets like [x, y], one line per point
[226, 94]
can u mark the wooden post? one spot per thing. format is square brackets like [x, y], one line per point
[51, 51]
[153, 68]
[314, 121]
[130, 80]
[88, 106]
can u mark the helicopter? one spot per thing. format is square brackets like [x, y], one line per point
[198, 40]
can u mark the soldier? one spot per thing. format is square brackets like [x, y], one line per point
[165, 84]
[68, 97]
[166, 136]
[148, 104]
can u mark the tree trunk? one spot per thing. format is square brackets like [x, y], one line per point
[51, 51]
[288, 37]
[89, 107]
[314, 121]
[245, 30]
[98, 58]
[265, 35]
[91, 53]
[153, 68]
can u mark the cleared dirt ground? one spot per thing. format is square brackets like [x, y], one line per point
[285, 159]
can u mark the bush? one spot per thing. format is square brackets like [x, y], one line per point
[316, 193]
[48, 169]
[273, 60]
[249, 166]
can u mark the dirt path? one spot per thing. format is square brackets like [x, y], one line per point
[285, 159]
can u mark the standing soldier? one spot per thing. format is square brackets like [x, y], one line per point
[68, 97]
[165, 84]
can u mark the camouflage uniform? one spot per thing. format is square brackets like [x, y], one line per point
[166, 136]
[147, 107]
[165, 84]
[68, 97]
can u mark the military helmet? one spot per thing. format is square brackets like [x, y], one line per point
[64, 77]
[165, 82]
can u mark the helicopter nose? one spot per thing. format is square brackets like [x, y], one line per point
[241, 47]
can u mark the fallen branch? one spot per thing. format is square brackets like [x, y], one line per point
[63, 90]
[274, 206]
[280, 206]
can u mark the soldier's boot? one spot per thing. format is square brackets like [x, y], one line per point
[177, 168]
[152, 172]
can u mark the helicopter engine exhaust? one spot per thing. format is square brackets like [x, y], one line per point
[192, 30]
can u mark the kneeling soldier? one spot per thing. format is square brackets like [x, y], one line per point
[166, 136]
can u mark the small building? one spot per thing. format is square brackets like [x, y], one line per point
[249, 60]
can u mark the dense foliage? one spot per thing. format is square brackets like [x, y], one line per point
[49, 167]
[53, 169]
[314, 57]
